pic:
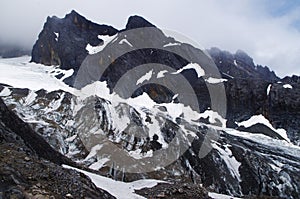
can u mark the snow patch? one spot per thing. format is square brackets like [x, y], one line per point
[260, 119]
[95, 49]
[161, 74]
[269, 89]
[220, 196]
[56, 35]
[213, 117]
[33, 76]
[287, 86]
[234, 62]
[5, 92]
[172, 44]
[275, 168]
[120, 190]
[36, 122]
[71, 139]
[287, 147]
[213, 80]
[30, 98]
[126, 41]
[146, 77]
[199, 70]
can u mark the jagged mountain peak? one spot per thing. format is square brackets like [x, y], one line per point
[136, 21]
[243, 56]
[254, 155]
[73, 13]
[63, 41]
[240, 65]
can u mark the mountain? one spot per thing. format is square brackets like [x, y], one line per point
[117, 103]
[74, 30]
[246, 84]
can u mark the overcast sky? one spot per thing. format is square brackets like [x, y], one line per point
[268, 30]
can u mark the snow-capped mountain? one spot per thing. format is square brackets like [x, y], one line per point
[249, 149]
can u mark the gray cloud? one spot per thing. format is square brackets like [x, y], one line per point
[250, 25]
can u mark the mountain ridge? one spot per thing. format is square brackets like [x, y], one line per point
[255, 153]
[246, 86]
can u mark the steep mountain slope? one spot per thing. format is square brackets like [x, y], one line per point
[240, 163]
[249, 148]
[28, 163]
[75, 30]
[250, 89]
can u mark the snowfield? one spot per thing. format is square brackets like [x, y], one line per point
[120, 190]
[19, 73]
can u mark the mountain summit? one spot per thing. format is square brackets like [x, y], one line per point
[137, 22]
[132, 117]
[63, 41]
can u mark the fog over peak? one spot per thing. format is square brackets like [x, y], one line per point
[268, 31]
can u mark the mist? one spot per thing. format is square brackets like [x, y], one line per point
[268, 31]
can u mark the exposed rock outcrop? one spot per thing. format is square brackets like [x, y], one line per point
[29, 167]
[242, 161]
[63, 41]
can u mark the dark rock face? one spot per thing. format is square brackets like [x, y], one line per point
[63, 41]
[246, 86]
[137, 22]
[247, 95]
[250, 89]
[240, 65]
[25, 169]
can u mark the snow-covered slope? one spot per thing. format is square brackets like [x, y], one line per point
[120, 190]
[19, 73]
[135, 138]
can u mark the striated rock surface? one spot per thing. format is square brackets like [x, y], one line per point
[251, 157]
[29, 167]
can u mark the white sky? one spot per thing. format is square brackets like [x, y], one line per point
[269, 31]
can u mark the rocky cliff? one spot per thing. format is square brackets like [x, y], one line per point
[28, 163]
[246, 83]
[255, 153]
